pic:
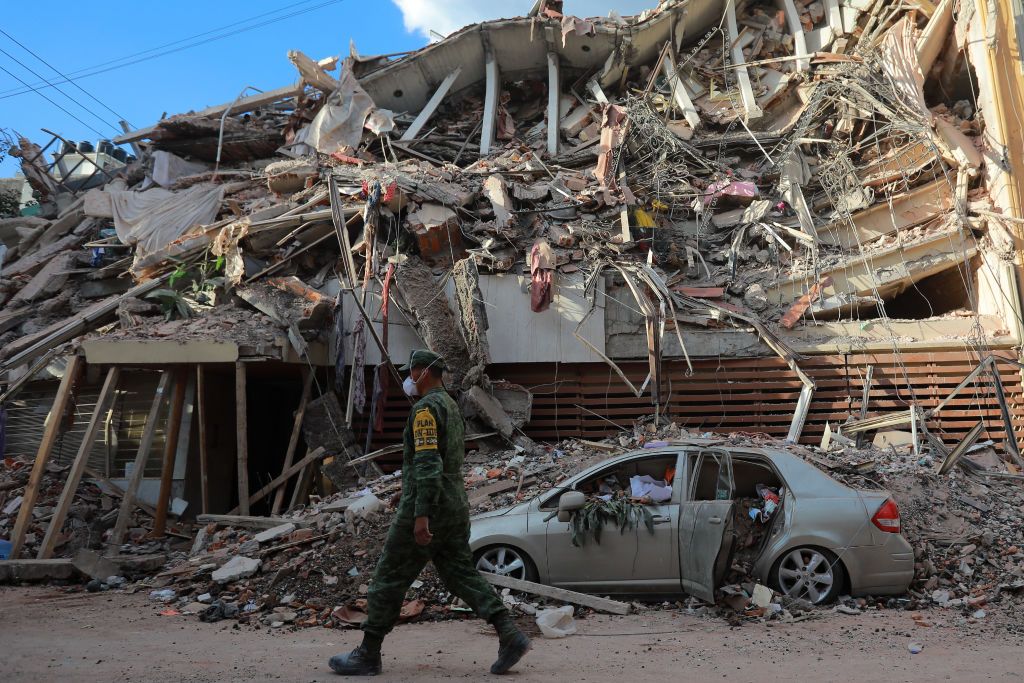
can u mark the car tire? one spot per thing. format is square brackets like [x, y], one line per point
[813, 574]
[505, 560]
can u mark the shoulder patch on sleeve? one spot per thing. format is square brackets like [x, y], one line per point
[424, 430]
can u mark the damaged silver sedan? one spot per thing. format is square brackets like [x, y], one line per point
[710, 512]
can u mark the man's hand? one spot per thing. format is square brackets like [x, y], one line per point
[395, 499]
[421, 531]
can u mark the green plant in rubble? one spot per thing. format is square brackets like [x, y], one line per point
[621, 513]
[172, 303]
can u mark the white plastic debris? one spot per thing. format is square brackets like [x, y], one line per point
[762, 596]
[915, 648]
[366, 506]
[556, 623]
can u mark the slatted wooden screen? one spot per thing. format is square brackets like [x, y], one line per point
[755, 395]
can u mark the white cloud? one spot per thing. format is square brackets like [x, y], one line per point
[446, 16]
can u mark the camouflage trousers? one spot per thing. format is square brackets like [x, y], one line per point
[403, 560]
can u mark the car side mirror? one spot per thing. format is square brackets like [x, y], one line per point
[569, 502]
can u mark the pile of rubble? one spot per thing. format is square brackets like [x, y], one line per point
[90, 514]
[312, 568]
[763, 172]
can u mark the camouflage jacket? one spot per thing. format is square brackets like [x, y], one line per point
[432, 484]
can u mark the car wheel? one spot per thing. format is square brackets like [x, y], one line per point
[506, 561]
[814, 574]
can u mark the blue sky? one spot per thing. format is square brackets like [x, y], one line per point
[74, 36]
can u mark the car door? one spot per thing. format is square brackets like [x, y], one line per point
[634, 561]
[704, 514]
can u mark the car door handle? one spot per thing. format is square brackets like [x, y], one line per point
[661, 520]
[714, 520]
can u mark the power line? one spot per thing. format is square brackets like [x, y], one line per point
[57, 88]
[95, 70]
[18, 78]
[62, 75]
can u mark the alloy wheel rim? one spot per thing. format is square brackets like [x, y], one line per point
[806, 574]
[502, 561]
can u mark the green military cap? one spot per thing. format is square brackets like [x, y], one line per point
[421, 358]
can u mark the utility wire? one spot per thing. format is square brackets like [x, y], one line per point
[95, 70]
[43, 95]
[62, 75]
[58, 89]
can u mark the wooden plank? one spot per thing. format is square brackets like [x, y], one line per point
[204, 467]
[67, 495]
[50, 433]
[242, 438]
[293, 441]
[262, 493]
[170, 451]
[302, 487]
[239, 106]
[572, 597]
[131, 490]
[250, 521]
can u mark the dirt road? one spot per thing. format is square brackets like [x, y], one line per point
[50, 636]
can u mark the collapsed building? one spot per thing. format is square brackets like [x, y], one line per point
[776, 217]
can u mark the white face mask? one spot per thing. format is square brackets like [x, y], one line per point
[409, 387]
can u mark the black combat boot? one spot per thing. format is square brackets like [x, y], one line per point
[362, 661]
[512, 643]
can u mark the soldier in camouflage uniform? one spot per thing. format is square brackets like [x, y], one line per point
[431, 525]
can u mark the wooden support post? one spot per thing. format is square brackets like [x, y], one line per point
[170, 450]
[302, 487]
[242, 438]
[293, 442]
[106, 397]
[141, 456]
[50, 432]
[204, 468]
[554, 95]
[431, 106]
[492, 91]
[308, 460]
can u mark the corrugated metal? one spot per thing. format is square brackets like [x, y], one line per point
[118, 439]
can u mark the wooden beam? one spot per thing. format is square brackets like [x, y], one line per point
[204, 466]
[431, 106]
[170, 450]
[131, 491]
[554, 95]
[293, 441]
[251, 522]
[106, 397]
[492, 91]
[302, 487]
[310, 458]
[50, 433]
[238, 107]
[242, 438]
[592, 601]
[950, 460]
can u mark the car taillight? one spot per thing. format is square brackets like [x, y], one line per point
[888, 517]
